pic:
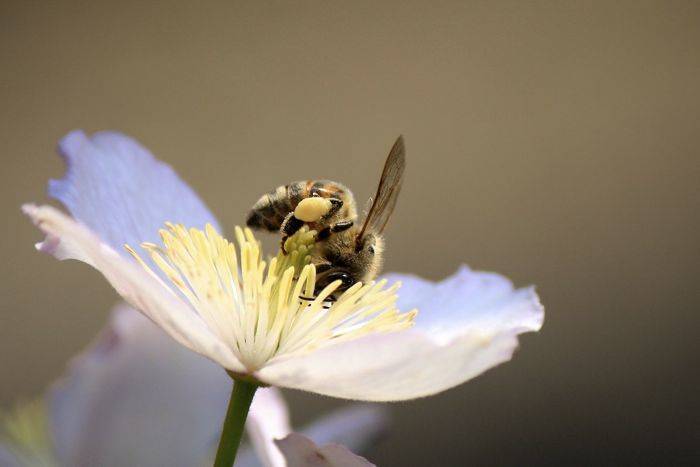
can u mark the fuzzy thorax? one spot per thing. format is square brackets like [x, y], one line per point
[264, 311]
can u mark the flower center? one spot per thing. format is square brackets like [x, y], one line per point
[264, 311]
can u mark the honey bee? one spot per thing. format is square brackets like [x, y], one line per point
[344, 250]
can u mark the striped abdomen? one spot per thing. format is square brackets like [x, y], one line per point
[270, 210]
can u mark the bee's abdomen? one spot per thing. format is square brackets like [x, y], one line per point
[269, 211]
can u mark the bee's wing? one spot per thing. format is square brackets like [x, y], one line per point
[388, 191]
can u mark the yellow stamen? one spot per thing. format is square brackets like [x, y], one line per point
[255, 307]
[24, 431]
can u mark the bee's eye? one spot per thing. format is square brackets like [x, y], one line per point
[344, 277]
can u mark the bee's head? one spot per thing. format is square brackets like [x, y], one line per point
[358, 262]
[328, 275]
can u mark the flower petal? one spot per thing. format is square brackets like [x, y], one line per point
[473, 322]
[137, 398]
[356, 427]
[7, 458]
[68, 239]
[268, 420]
[121, 192]
[300, 451]
[468, 299]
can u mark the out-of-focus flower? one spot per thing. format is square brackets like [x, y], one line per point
[300, 451]
[25, 438]
[136, 397]
[119, 193]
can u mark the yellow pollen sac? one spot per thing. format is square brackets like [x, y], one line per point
[255, 307]
[312, 209]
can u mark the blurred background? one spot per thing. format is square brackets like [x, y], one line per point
[555, 142]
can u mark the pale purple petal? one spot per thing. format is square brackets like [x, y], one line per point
[300, 451]
[268, 420]
[121, 192]
[66, 238]
[7, 458]
[357, 427]
[466, 324]
[138, 398]
[468, 299]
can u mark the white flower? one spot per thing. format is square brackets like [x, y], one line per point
[135, 397]
[253, 322]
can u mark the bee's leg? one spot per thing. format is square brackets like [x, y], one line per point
[328, 302]
[326, 306]
[289, 227]
[336, 204]
[342, 225]
[291, 224]
[339, 227]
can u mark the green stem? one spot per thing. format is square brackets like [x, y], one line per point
[238, 406]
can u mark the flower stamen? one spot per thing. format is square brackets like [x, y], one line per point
[260, 310]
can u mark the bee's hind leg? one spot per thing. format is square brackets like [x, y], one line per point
[289, 227]
[336, 204]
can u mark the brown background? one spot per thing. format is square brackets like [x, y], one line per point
[555, 142]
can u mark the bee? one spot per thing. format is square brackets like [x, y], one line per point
[344, 250]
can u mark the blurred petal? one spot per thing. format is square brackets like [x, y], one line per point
[268, 420]
[68, 239]
[472, 323]
[300, 451]
[357, 427]
[138, 398]
[121, 192]
[7, 459]
[25, 438]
